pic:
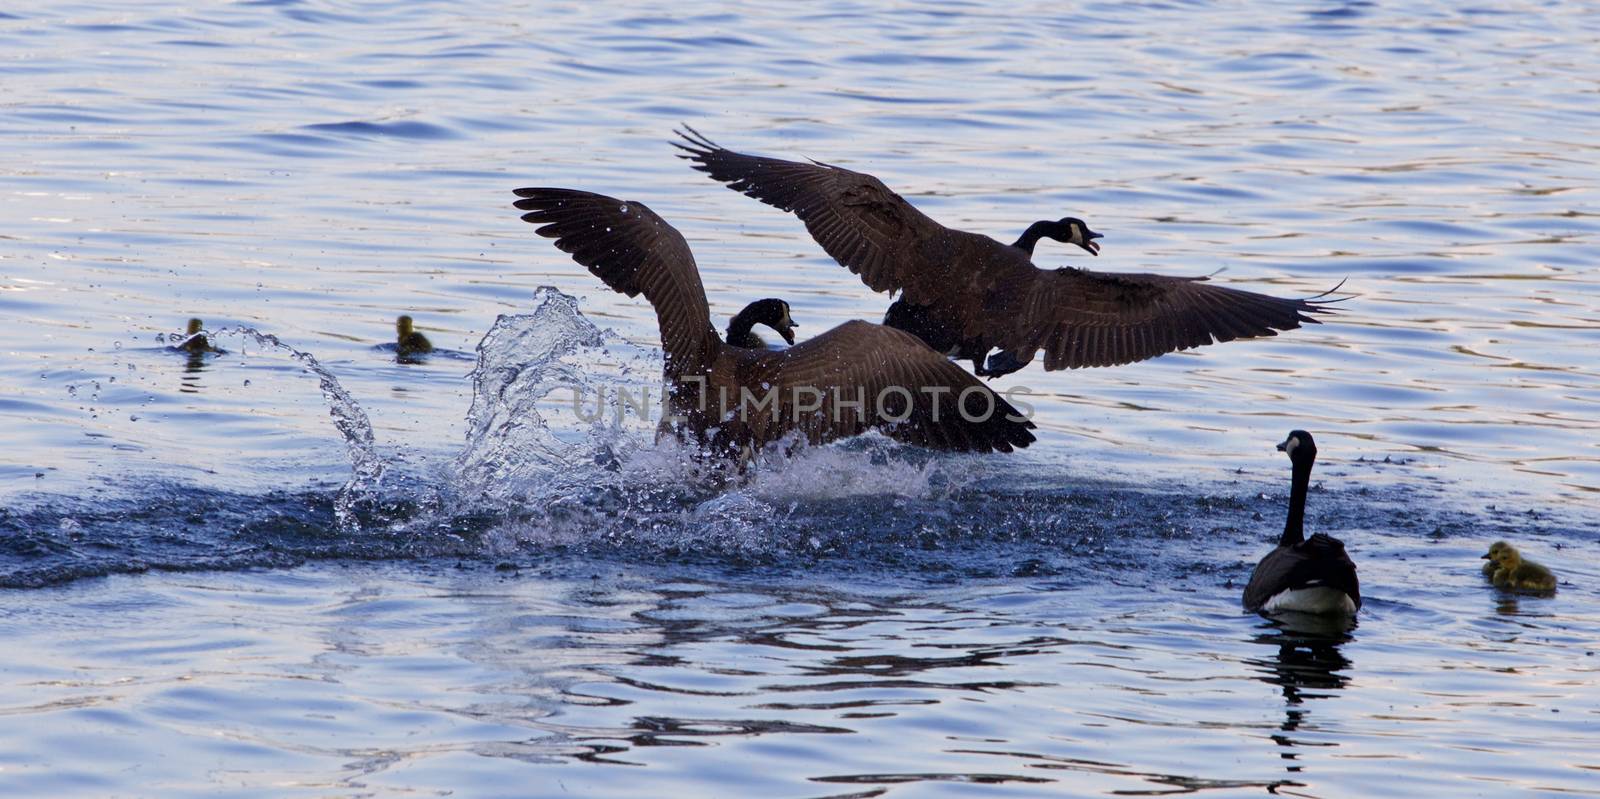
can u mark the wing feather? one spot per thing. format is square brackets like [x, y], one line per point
[1083, 318]
[860, 222]
[633, 251]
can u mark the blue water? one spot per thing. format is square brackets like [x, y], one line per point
[313, 569]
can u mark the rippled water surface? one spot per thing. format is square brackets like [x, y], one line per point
[334, 573]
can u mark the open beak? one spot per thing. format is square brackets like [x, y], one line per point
[787, 331]
[1090, 245]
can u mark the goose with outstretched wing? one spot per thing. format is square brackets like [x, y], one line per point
[968, 293]
[856, 377]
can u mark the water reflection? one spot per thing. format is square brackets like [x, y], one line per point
[194, 363]
[1307, 665]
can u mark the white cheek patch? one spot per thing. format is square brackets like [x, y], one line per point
[1290, 444]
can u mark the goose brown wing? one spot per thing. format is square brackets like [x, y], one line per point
[866, 227]
[905, 389]
[1083, 318]
[635, 252]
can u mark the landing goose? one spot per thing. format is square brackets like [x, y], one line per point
[981, 294]
[904, 389]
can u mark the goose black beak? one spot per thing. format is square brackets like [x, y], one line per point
[787, 332]
[1483, 557]
[1091, 245]
[1283, 446]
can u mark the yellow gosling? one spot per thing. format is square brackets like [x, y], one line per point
[1518, 574]
[409, 341]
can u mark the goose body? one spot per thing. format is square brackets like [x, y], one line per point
[1312, 575]
[978, 294]
[856, 377]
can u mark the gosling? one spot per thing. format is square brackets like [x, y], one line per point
[195, 342]
[409, 341]
[1517, 574]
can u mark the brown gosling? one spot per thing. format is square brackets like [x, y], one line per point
[196, 342]
[409, 341]
[1518, 574]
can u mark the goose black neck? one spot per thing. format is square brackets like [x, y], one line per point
[1032, 235]
[739, 327]
[1294, 528]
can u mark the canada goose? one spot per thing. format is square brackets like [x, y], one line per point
[195, 342]
[1517, 574]
[773, 313]
[984, 294]
[1307, 575]
[407, 340]
[928, 324]
[737, 400]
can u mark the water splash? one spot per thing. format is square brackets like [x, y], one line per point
[367, 468]
[510, 448]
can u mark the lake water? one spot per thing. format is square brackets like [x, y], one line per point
[304, 568]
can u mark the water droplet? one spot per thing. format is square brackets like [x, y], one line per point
[116, 345]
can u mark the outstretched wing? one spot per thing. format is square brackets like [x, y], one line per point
[635, 252]
[861, 376]
[1082, 318]
[869, 229]
[992, 292]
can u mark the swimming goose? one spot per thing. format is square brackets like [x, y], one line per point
[1307, 575]
[408, 341]
[984, 294]
[195, 342]
[770, 312]
[1517, 574]
[855, 377]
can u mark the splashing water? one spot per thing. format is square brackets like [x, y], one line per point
[524, 358]
[367, 468]
[604, 480]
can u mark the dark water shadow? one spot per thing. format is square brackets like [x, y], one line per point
[1307, 665]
